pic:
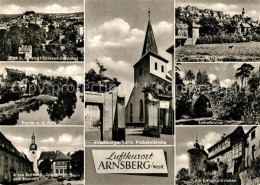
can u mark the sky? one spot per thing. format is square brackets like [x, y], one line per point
[227, 6]
[207, 136]
[41, 6]
[115, 32]
[75, 71]
[224, 71]
[65, 139]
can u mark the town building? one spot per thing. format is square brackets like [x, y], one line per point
[33, 155]
[12, 162]
[60, 163]
[25, 51]
[149, 105]
[229, 149]
[10, 73]
[252, 146]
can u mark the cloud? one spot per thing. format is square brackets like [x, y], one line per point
[115, 33]
[53, 8]
[190, 144]
[48, 140]
[17, 139]
[227, 82]
[163, 27]
[209, 139]
[12, 9]
[65, 138]
[182, 161]
[212, 77]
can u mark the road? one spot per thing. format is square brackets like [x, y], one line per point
[45, 181]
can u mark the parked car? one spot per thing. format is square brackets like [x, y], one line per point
[73, 181]
[60, 178]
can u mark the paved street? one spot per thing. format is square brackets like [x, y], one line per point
[45, 181]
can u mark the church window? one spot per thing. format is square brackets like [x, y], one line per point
[140, 71]
[141, 115]
[131, 112]
[6, 161]
[162, 69]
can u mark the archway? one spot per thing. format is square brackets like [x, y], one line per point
[202, 107]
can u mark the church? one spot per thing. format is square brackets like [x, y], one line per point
[33, 155]
[150, 102]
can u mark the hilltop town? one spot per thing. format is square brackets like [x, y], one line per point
[35, 36]
[206, 26]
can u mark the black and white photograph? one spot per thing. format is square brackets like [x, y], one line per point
[36, 30]
[41, 94]
[145, 165]
[128, 80]
[218, 155]
[40, 155]
[217, 31]
[217, 93]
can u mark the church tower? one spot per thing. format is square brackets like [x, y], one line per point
[33, 155]
[151, 68]
[243, 12]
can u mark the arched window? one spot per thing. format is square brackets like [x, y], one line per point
[162, 69]
[141, 113]
[140, 71]
[155, 66]
[131, 112]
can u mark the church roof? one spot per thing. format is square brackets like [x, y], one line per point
[149, 41]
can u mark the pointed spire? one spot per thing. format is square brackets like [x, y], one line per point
[149, 41]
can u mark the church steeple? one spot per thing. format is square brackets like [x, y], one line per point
[149, 41]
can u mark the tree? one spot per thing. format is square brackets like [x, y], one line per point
[182, 176]
[77, 163]
[209, 26]
[244, 72]
[189, 75]
[45, 166]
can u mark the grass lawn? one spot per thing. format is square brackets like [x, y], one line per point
[241, 52]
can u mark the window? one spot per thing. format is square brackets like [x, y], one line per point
[12, 163]
[253, 135]
[131, 112]
[6, 161]
[141, 113]
[0, 160]
[61, 170]
[155, 66]
[140, 71]
[57, 171]
[162, 69]
[65, 170]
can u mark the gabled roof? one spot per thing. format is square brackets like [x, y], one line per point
[149, 41]
[61, 157]
[14, 71]
[47, 155]
[7, 145]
